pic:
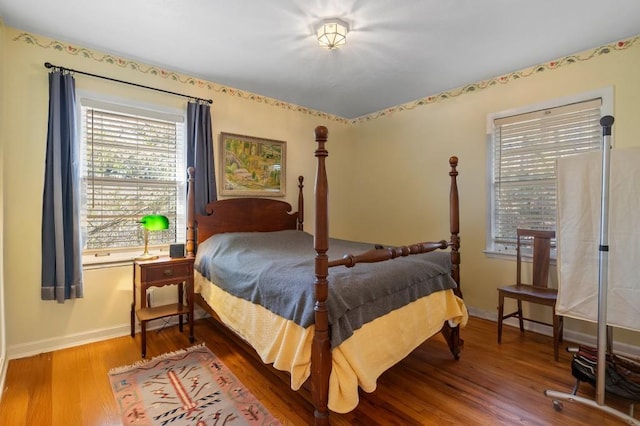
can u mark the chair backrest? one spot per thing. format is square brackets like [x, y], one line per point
[541, 255]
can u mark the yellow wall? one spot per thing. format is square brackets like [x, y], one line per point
[3, 345]
[404, 158]
[104, 311]
[387, 173]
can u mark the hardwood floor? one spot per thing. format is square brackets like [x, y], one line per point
[490, 385]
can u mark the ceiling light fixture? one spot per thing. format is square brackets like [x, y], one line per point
[332, 33]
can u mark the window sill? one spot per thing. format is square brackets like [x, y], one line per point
[503, 255]
[511, 255]
[116, 258]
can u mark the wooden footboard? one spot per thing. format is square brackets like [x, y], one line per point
[321, 349]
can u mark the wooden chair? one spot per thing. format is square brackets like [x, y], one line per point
[537, 292]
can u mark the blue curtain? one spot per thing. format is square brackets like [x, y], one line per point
[61, 241]
[200, 153]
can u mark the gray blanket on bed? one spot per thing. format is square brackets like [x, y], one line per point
[276, 270]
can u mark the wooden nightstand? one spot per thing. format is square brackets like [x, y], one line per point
[158, 273]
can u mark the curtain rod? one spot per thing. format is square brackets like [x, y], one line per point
[49, 65]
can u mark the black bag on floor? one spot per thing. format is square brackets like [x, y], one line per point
[622, 377]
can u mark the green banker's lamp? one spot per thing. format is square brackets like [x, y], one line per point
[151, 222]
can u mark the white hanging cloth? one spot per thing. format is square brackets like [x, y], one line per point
[577, 233]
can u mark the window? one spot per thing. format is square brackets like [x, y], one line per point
[132, 165]
[524, 146]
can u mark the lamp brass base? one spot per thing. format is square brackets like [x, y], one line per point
[146, 256]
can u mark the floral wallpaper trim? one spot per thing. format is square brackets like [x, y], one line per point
[470, 88]
[170, 75]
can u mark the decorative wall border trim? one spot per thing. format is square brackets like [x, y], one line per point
[213, 87]
[170, 75]
[504, 79]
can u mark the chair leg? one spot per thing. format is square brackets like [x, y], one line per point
[556, 337]
[143, 338]
[520, 316]
[500, 314]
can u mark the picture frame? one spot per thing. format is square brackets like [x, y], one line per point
[252, 166]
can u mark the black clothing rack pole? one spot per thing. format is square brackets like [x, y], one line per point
[603, 343]
[50, 65]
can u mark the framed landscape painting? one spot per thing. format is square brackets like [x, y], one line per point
[252, 166]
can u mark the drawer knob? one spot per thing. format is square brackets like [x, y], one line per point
[168, 272]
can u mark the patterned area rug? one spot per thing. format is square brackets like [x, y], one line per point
[189, 387]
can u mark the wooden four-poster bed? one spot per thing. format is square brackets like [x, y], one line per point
[321, 333]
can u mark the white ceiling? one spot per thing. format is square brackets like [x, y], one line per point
[397, 50]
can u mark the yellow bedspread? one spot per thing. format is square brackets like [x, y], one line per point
[356, 362]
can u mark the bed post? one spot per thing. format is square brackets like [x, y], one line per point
[454, 224]
[321, 347]
[191, 204]
[452, 334]
[300, 226]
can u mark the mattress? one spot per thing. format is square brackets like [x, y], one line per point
[276, 270]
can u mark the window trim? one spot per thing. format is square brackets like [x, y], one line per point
[102, 258]
[605, 93]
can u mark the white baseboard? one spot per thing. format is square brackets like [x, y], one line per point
[48, 345]
[569, 335]
[71, 340]
[3, 373]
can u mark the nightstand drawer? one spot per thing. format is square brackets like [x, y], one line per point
[167, 272]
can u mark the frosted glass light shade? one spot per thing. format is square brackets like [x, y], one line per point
[332, 33]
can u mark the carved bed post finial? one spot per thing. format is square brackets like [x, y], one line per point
[452, 334]
[454, 223]
[321, 347]
[300, 204]
[191, 205]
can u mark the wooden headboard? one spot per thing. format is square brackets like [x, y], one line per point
[240, 215]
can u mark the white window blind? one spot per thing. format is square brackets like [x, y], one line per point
[131, 167]
[525, 148]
